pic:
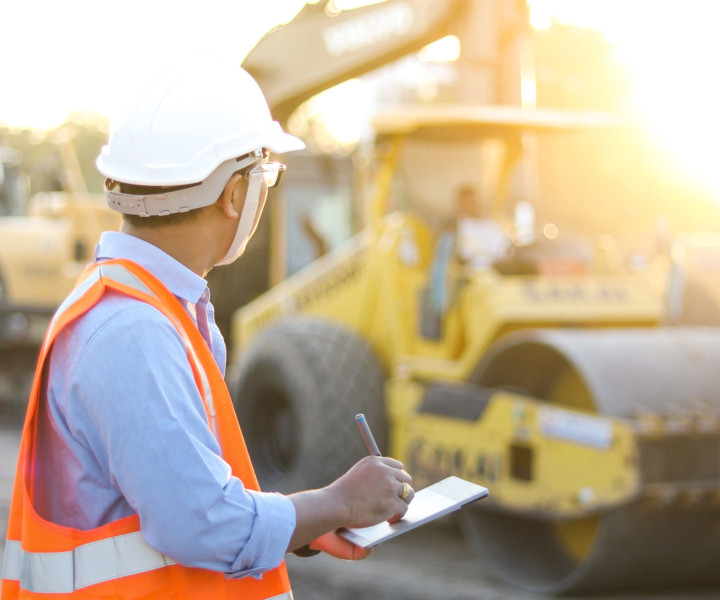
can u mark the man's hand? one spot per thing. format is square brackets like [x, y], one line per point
[370, 492]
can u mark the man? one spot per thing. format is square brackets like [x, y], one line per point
[480, 239]
[133, 478]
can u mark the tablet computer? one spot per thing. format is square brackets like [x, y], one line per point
[429, 504]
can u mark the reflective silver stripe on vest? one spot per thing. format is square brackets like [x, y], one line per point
[89, 564]
[65, 572]
[123, 276]
[75, 295]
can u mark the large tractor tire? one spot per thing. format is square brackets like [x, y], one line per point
[652, 542]
[301, 382]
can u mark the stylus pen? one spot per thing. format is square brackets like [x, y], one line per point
[367, 435]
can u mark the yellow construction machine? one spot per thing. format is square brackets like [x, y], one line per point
[581, 390]
[45, 241]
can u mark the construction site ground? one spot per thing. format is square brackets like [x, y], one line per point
[431, 563]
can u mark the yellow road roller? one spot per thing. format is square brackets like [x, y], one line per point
[582, 391]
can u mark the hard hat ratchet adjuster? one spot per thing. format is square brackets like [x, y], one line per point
[192, 196]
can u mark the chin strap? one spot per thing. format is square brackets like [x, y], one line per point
[247, 218]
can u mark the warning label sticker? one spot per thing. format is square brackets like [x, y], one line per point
[575, 427]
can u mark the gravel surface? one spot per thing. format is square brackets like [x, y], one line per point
[430, 563]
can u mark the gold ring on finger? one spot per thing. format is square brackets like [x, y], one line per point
[407, 490]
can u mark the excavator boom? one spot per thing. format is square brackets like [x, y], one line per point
[322, 49]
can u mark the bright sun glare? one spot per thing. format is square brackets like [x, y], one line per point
[671, 49]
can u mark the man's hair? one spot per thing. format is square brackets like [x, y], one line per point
[156, 221]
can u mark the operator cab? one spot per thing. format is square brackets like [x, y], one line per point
[440, 153]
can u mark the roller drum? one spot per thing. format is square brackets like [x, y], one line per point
[630, 373]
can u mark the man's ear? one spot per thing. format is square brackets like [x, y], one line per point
[232, 198]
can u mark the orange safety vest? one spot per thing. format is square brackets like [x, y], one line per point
[114, 561]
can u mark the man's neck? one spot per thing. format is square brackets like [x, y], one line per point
[185, 244]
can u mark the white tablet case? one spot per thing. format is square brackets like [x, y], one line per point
[430, 503]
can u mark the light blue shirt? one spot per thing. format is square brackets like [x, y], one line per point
[124, 431]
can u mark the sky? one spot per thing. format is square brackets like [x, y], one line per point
[672, 49]
[65, 55]
[61, 56]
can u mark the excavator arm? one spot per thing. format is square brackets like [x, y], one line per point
[321, 48]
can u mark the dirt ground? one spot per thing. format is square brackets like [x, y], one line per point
[430, 563]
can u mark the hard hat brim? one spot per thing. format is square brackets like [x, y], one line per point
[286, 143]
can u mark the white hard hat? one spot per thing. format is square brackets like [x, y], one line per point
[188, 123]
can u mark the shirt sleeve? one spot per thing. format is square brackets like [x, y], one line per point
[135, 405]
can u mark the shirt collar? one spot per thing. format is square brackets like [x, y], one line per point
[180, 280]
